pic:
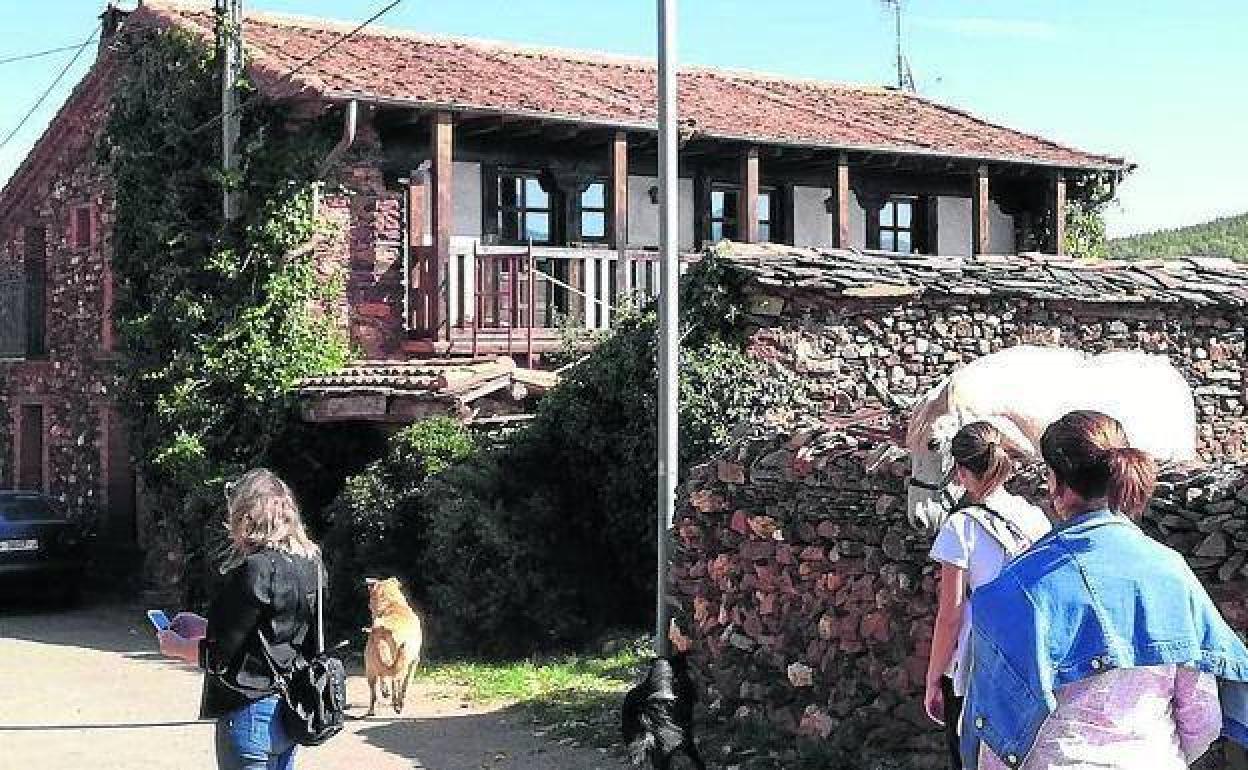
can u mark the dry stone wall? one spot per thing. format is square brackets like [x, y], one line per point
[808, 601]
[836, 345]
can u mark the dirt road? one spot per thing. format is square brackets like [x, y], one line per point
[85, 690]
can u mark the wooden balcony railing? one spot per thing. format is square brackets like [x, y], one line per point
[515, 300]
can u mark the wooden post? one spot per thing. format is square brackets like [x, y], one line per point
[443, 221]
[747, 198]
[981, 225]
[841, 237]
[1059, 214]
[419, 266]
[619, 211]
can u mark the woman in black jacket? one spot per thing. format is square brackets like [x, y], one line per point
[268, 588]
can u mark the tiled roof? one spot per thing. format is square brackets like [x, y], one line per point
[1200, 281]
[380, 390]
[403, 68]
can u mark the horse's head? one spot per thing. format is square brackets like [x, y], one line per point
[932, 488]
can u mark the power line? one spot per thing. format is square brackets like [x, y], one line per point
[42, 97]
[290, 74]
[37, 54]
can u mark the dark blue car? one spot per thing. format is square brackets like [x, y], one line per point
[38, 541]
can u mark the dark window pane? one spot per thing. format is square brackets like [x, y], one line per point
[534, 196]
[717, 204]
[886, 215]
[903, 242]
[508, 191]
[593, 224]
[509, 225]
[595, 196]
[903, 213]
[764, 207]
[764, 232]
[537, 227]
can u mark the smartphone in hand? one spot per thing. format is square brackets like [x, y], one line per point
[158, 619]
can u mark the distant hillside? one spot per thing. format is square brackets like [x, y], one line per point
[1226, 237]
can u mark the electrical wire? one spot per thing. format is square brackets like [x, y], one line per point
[290, 74]
[43, 97]
[37, 54]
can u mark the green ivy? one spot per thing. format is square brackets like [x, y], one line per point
[216, 320]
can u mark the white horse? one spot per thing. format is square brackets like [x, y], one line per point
[1022, 390]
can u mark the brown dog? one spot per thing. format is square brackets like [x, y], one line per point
[394, 641]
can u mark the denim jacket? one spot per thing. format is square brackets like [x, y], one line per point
[1094, 594]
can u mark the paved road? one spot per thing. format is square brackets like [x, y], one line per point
[86, 690]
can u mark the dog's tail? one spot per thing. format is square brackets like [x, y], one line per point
[387, 648]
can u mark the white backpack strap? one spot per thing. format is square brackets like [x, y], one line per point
[1013, 541]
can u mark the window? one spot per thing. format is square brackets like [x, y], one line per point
[897, 225]
[35, 249]
[723, 214]
[764, 216]
[30, 448]
[81, 235]
[723, 218]
[594, 212]
[524, 210]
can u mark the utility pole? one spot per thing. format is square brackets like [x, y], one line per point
[669, 315]
[230, 55]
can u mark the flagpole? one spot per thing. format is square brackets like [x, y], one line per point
[669, 317]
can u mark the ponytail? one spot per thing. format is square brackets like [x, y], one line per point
[1089, 454]
[1132, 477]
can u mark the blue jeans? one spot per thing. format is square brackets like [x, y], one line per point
[253, 738]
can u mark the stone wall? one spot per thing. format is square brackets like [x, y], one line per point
[61, 188]
[809, 602]
[910, 344]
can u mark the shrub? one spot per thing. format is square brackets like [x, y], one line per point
[377, 525]
[548, 539]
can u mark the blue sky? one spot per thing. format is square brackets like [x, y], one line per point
[1159, 82]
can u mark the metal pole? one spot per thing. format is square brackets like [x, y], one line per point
[669, 318]
[230, 43]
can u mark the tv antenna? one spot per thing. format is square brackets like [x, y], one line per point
[905, 76]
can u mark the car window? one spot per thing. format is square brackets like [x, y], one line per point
[30, 509]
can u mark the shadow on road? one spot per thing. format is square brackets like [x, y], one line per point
[77, 727]
[105, 626]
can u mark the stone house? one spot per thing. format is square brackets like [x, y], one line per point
[491, 194]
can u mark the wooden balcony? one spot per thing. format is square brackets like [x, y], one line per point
[521, 300]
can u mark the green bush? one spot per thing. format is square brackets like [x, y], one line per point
[377, 524]
[548, 539]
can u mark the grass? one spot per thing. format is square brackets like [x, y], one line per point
[575, 698]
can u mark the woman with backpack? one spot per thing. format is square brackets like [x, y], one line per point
[987, 529]
[261, 623]
[1099, 647]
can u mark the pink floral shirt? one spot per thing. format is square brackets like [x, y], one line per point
[1158, 717]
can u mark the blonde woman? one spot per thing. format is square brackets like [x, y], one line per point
[268, 587]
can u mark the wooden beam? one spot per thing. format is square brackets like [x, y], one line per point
[981, 225]
[443, 220]
[840, 193]
[1059, 214]
[422, 293]
[747, 199]
[618, 195]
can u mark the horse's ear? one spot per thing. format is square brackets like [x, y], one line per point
[1016, 442]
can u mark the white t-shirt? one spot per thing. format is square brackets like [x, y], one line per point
[962, 542]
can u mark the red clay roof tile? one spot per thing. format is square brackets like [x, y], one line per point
[452, 73]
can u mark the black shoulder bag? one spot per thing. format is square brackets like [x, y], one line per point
[314, 693]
